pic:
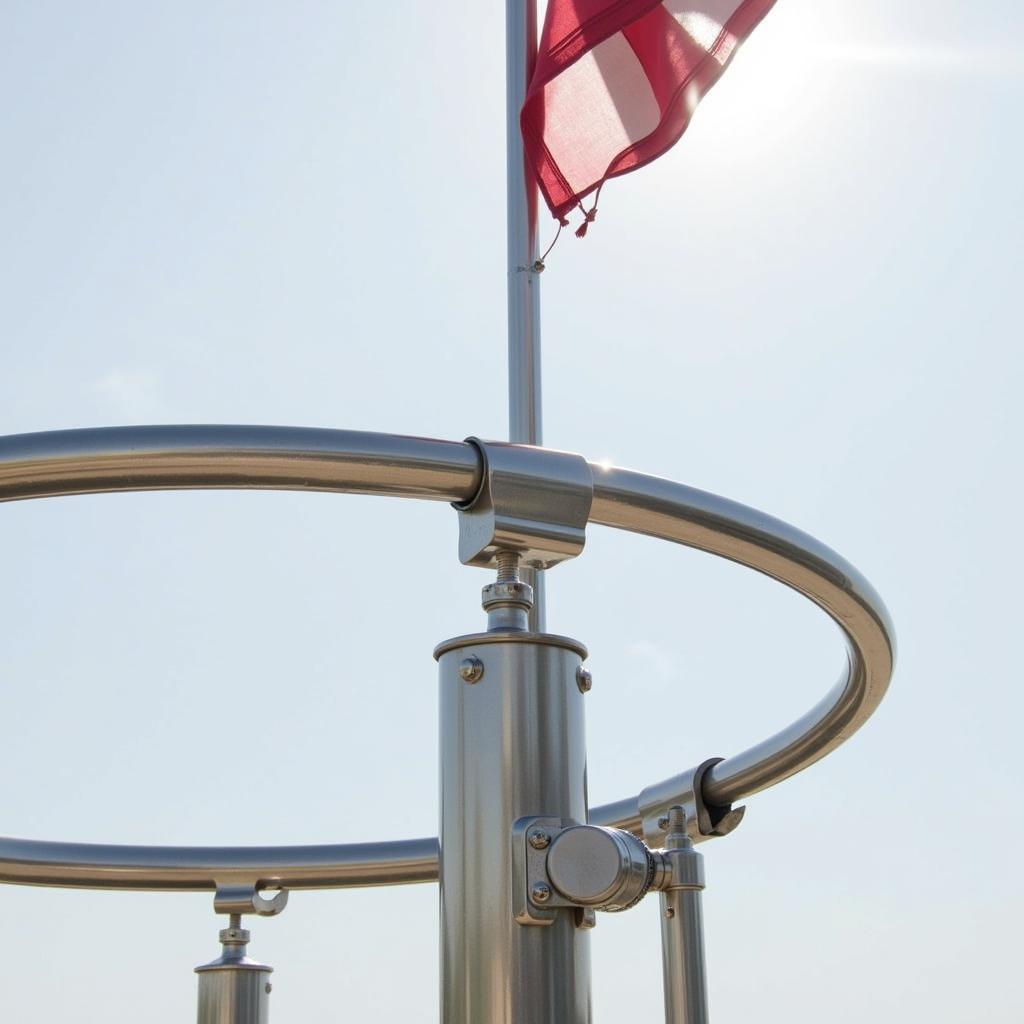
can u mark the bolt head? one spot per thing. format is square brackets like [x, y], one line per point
[584, 680]
[663, 823]
[539, 839]
[471, 669]
[540, 893]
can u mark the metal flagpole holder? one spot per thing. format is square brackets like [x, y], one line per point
[523, 862]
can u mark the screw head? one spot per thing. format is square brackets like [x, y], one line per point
[663, 823]
[540, 893]
[471, 669]
[670, 912]
[584, 680]
[539, 839]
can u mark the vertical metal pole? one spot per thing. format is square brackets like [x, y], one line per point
[682, 951]
[524, 364]
[234, 989]
[512, 745]
[682, 929]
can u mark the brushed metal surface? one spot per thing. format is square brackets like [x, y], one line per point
[533, 503]
[169, 868]
[237, 994]
[525, 396]
[511, 745]
[684, 971]
[104, 459]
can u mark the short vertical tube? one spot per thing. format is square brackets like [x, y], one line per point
[682, 955]
[234, 989]
[682, 926]
[512, 745]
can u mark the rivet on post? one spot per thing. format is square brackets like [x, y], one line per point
[471, 669]
[584, 680]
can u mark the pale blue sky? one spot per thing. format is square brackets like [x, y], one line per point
[272, 213]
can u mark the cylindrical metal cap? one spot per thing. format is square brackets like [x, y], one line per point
[600, 867]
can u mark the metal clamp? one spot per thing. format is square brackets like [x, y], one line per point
[246, 899]
[531, 501]
[534, 901]
[558, 863]
[703, 820]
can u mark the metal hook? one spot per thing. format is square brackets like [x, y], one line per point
[246, 899]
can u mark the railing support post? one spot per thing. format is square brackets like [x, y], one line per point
[234, 989]
[512, 745]
[682, 928]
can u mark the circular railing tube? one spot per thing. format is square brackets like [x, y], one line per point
[192, 868]
[189, 457]
[107, 459]
[671, 511]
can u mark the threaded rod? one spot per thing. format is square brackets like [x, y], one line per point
[508, 567]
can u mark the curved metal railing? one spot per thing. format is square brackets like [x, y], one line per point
[289, 458]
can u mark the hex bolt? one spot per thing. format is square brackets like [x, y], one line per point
[584, 680]
[540, 893]
[539, 839]
[471, 669]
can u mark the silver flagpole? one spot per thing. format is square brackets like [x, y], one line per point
[524, 367]
[512, 740]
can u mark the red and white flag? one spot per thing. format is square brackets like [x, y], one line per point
[616, 82]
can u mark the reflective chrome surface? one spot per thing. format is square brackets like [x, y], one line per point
[190, 457]
[533, 503]
[510, 744]
[684, 973]
[525, 420]
[234, 988]
[605, 868]
[101, 866]
[671, 511]
[686, 791]
[140, 458]
[684, 970]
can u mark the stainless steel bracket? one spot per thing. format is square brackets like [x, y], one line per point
[247, 899]
[703, 820]
[558, 863]
[531, 501]
[531, 838]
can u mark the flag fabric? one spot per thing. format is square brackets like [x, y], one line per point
[615, 85]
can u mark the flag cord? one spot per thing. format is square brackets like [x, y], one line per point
[538, 264]
[589, 216]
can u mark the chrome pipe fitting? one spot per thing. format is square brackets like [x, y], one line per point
[234, 989]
